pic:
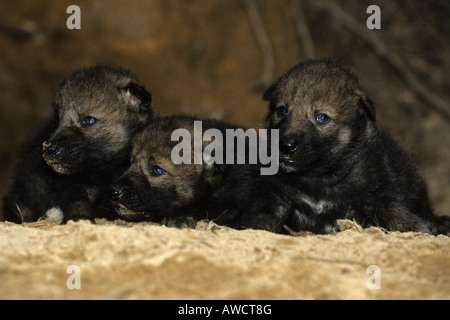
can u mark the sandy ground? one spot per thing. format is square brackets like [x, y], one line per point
[119, 260]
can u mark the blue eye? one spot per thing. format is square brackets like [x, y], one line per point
[89, 121]
[282, 111]
[323, 118]
[157, 170]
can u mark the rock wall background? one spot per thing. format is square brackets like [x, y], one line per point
[206, 57]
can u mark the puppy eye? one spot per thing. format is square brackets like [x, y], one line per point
[282, 111]
[89, 121]
[323, 118]
[157, 170]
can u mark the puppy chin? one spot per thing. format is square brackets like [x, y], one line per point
[287, 168]
[130, 215]
[59, 168]
[300, 163]
[287, 165]
[66, 166]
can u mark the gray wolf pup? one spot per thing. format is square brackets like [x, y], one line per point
[340, 164]
[157, 189]
[85, 144]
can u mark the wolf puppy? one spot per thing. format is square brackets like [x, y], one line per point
[85, 144]
[154, 188]
[337, 159]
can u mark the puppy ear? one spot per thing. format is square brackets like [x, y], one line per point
[268, 94]
[137, 97]
[366, 105]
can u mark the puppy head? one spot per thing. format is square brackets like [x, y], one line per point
[155, 186]
[97, 111]
[321, 111]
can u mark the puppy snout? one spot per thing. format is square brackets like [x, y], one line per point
[288, 145]
[116, 192]
[51, 149]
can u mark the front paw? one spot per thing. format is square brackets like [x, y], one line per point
[80, 210]
[179, 222]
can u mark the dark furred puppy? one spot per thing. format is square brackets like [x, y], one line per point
[85, 144]
[157, 189]
[337, 159]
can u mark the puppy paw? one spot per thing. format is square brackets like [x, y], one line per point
[179, 222]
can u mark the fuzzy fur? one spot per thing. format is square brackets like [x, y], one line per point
[68, 164]
[231, 194]
[346, 167]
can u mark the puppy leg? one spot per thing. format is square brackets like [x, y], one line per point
[270, 219]
[179, 222]
[443, 224]
[75, 205]
[399, 218]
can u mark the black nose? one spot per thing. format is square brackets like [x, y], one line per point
[288, 145]
[52, 149]
[116, 192]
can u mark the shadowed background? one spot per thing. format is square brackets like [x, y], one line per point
[215, 58]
